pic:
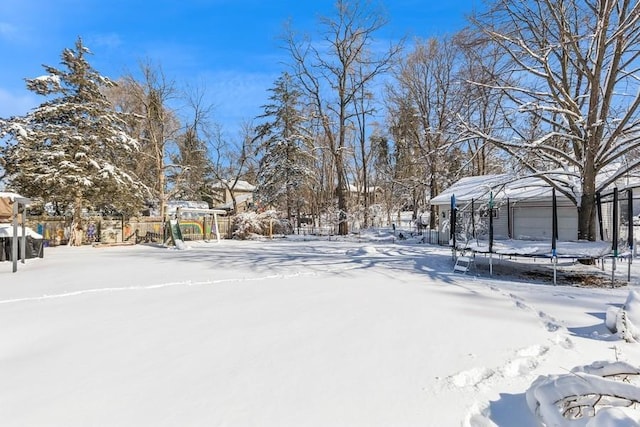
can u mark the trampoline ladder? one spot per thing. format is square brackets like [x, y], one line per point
[463, 264]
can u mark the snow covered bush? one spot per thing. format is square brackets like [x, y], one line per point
[625, 321]
[598, 395]
[248, 225]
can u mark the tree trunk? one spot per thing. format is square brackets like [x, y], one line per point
[587, 208]
[76, 232]
[587, 221]
[343, 226]
[341, 190]
[433, 212]
[433, 216]
[290, 203]
[587, 217]
[365, 221]
[163, 202]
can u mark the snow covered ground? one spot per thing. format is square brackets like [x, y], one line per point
[289, 332]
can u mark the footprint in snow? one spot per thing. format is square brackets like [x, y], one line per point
[515, 297]
[549, 322]
[519, 367]
[519, 302]
[533, 351]
[471, 378]
[564, 342]
[526, 361]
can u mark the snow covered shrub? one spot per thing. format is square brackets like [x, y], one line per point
[626, 320]
[246, 224]
[251, 224]
[597, 395]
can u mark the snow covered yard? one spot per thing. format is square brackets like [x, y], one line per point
[285, 333]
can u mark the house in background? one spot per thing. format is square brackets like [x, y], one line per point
[225, 191]
[523, 207]
[356, 195]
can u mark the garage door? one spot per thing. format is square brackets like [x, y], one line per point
[535, 223]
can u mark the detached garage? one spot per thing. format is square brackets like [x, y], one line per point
[532, 221]
[521, 208]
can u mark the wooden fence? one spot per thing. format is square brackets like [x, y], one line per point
[56, 231]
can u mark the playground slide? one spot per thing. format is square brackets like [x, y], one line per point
[176, 234]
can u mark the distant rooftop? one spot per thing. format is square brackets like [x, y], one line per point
[240, 185]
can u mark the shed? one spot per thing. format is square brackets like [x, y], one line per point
[522, 205]
[16, 240]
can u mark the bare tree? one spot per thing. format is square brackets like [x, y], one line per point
[156, 125]
[232, 161]
[427, 89]
[480, 61]
[192, 174]
[577, 66]
[323, 187]
[327, 75]
[363, 155]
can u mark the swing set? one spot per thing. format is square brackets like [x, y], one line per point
[175, 232]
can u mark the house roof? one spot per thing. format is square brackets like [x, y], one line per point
[371, 189]
[240, 185]
[471, 187]
[509, 186]
[501, 186]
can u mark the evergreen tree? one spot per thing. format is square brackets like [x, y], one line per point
[192, 173]
[410, 168]
[285, 166]
[70, 148]
[194, 176]
[384, 172]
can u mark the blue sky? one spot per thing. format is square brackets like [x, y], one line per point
[231, 47]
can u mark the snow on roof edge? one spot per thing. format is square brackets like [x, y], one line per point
[14, 196]
[514, 187]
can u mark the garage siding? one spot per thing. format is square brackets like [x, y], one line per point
[534, 222]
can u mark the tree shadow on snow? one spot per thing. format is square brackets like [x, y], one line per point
[279, 255]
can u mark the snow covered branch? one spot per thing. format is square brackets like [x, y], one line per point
[587, 396]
